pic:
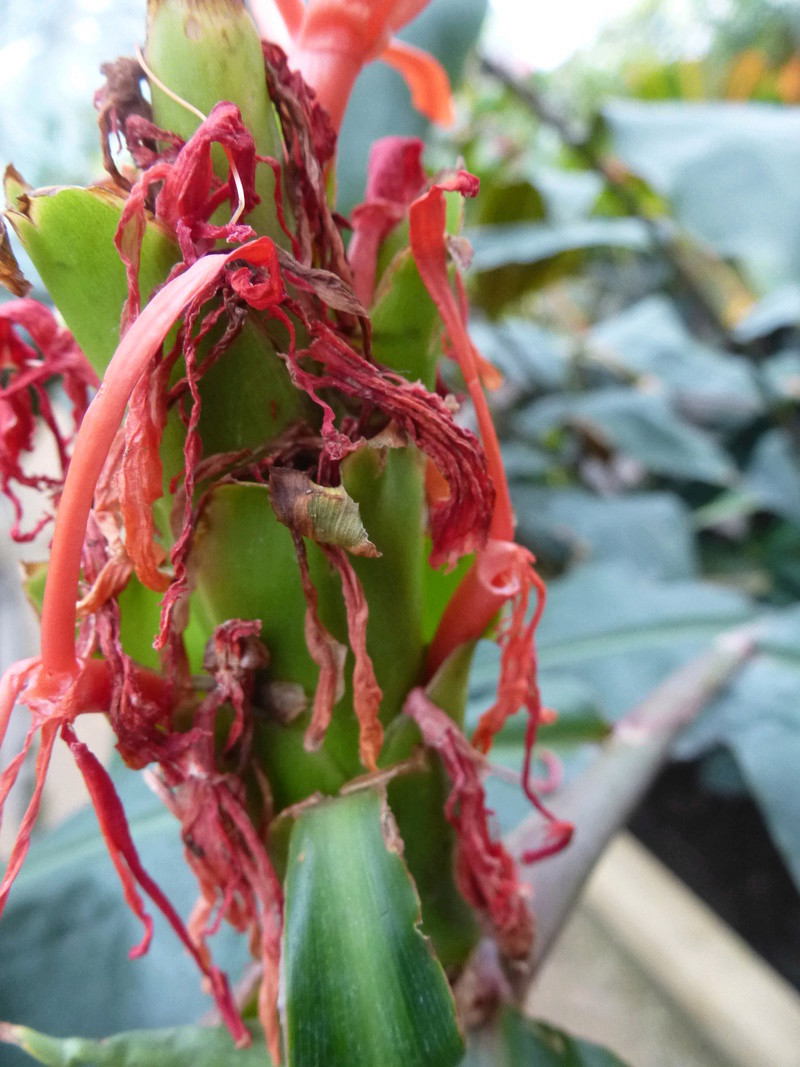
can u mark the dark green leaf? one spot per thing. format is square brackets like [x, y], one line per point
[515, 1041]
[518, 243]
[773, 475]
[362, 985]
[642, 425]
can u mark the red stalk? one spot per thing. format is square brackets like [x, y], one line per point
[92, 445]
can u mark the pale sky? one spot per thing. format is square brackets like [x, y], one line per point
[540, 36]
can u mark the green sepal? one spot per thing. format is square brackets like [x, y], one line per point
[245, 567]
[404, 321]
[185, 1046]
[362, 985]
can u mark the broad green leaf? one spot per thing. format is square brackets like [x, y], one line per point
[66, 932]
[514, 1041]
[604, 611]
[362, 986]
[648, 530]
[642, 425]
[187, 1046]
[728, 170]
[522, 243]
[650, 339]
[758, 718]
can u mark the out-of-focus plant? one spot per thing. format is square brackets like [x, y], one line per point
[636, 278]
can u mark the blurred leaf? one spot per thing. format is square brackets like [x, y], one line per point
[780, 376]
[729, 171]
[642, 425]
[188, 1046]
[649, 530]
[515, 1041]
[758, 718]
[527, 354]
[504, 201]
[66, 932]
[569, 194]
[717, 388]
[776, 311]
[354, 998]
[609, 636]
[518, 243]
[773, 474]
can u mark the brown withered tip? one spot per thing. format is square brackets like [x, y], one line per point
[11, 277]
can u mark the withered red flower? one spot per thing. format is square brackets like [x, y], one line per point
[27, 373]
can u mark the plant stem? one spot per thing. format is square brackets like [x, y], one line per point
[600, 801]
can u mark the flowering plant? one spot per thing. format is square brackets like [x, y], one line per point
[275, 545]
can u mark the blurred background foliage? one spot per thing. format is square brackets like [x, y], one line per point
[636, 276]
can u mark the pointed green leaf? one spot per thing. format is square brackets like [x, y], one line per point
[515, 1041]
[362, 985]
[186, 1046]
[69, 235]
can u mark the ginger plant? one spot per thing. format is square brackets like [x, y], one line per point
[274, 545]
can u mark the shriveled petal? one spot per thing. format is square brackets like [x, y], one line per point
[366, 691]
[486, 874]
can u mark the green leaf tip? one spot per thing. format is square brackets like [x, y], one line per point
[363, 986]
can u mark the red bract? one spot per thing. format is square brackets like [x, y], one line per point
[190, 194]
[304, 306]
[26, 374]
[394, 179]
[331, 41]
[486, 873]
[503, 572]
